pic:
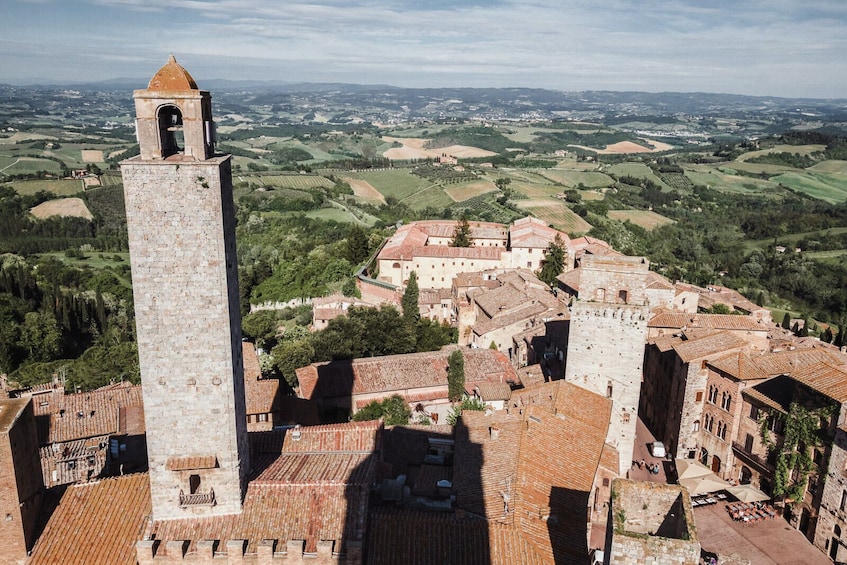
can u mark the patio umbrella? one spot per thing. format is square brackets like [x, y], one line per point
[705, 484]
[747, 493]
[691, 468]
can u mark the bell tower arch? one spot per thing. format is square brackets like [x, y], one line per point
[174, 117]
[181, 226]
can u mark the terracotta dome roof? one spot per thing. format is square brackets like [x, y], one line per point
[172, 77]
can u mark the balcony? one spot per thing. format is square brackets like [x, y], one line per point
[196, 499]
[758, 462]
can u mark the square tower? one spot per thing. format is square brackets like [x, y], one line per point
[21, 482]
[606, 339]
[181, 224]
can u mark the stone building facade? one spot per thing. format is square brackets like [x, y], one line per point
[21, 486]
[608, 331]
[651, 523]
[181, 224]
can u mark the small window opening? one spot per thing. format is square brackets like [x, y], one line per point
[170, 130]
[194, 484]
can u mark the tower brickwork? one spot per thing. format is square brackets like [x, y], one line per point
[606, 339]
[181, 224]
[21, 483]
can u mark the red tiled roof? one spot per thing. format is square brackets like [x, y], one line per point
[394, 536]
[493, 391]
[96, 522]
[787, 362]
[537, 470]
[352, 436]
[397, 373]
[739, 365]
[828, 380]
[712, 344]
[191, 463]
[534, 233]
[670, 319]
[63, 417]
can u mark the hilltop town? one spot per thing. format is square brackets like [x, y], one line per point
[603, 413]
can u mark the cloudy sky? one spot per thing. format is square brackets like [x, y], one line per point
[763, 47]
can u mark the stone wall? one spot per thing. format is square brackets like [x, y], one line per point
[605, 355]
[653, 524]
[231, 552]
[181, 224]
[831, 531]
[21, 485]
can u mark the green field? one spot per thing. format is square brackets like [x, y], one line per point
[28, 165]
[432, 195]
[793, 238]
[639, 171]
[296, 182]
[339, 213]
[799, 149]
[831, 255]
[830, 188]
[557, 214]
[644, 218]
[57, 187]
[571, 178]
[97, 260]
[832, 167]
[396, 183]
[718, 180]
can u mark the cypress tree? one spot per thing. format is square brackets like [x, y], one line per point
[455, 376]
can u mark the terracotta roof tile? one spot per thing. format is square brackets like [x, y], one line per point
[740, 366]
[827, 379]
[394, 373]
[63, 417]
[670, 319]
[493, 391]
[96, 522]
[191, 463]
[536, 465]
[713, 344]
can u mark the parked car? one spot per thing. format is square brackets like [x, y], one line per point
[658, 449]
[597, 556]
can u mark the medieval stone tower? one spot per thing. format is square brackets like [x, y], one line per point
[181, 223]
[608, 331]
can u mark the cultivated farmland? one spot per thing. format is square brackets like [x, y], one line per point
[644, 218]
[557, 214]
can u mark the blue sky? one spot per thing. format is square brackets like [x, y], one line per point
[773, 47]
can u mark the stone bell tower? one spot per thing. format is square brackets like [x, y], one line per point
[181, 224]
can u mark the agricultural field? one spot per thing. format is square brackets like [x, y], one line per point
[464, 191]
[62, 207]
[827, 187]
[637, 170]
[720, 180]
[571, 178]
[295, 182]
[396, 183]
[431, 196]
[341, 214]
[557, 214]
[677, 181]
[644, 218]
[758, 168]
[363, 189]
[831, 167]
[27, 165]
[806, 150]
[61, 187]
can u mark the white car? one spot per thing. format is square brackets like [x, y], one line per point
[597, 556]
[658, 449]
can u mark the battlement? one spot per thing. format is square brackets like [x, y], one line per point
[233, 551]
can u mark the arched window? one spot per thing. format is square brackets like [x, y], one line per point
[696, 427]
[170, 130]
[727, 402]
